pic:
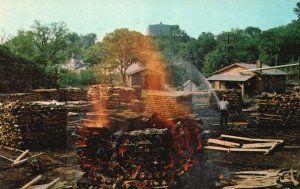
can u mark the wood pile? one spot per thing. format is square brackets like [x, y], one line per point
[168, 105]
[62, 95]
[234, 97]
[254, 145]
[278, 109]
[33, 125]
[147, 153]
[113, 94]
[13, 97]
[72, 94]
[262, 179]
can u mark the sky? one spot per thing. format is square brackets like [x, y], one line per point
[104, 16]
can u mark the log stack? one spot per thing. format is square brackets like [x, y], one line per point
[234, 97]
[72, 94]
[278, 109]
[168, 105]
[123, 148]
[33, 125]
[149, 153]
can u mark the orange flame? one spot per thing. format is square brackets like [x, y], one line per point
[171, 164]
[123, 147]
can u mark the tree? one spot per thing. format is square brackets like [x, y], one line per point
[213, 61]
[297, 9]
[95, 54]
[124, 48]
[46, 45]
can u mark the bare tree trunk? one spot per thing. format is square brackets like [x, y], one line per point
[124, 79]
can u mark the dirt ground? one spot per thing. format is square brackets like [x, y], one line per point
[62, 162]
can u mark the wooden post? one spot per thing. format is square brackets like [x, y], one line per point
[242, 85]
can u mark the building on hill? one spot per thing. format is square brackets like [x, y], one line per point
[250, 82]
[160, 29]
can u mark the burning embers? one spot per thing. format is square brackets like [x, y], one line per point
[120, 147]
[147, 153]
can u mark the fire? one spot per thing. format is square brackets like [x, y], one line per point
[123, 147]
[171, 164]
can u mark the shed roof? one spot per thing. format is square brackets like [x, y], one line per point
[140, 69]
[219, 77]
[188, 82]
[248, 66]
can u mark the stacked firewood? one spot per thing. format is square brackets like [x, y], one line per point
[93, 93]
[12, 97]
[234, 97]
[33, 125]
[168, 105]
[46, 94]
[278, 109]
[72, 94]
[148, 153]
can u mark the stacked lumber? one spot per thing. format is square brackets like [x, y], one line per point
[33, 125]
[234, 97]
[149, 153]
[113, 94]
[167, 104]
[263, 179]
[278, 109]
[255, 145]
[12, 97]
[93, 93]
[72, 94]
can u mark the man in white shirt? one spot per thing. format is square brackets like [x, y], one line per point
[223, 105]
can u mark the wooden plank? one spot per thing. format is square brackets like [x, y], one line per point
[24, 160]
[51, 183]
[217, 148]
[223, 143]
[258, 145]
[33, 181]
[21, 156]
[247, 150]
[264, 172]
[58, 185]
[271, 149]
[251, 139]
[6, 158]
[235, 149]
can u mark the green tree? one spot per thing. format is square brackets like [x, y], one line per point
[45, 45]
[94, 54]
[213, 61]
[297, 9]
[124, 48]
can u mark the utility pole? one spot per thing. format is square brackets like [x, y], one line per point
[228, 47]
[276, 56]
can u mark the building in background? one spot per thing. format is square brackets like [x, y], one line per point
[252, 82]
[161, 29]
[146, 78]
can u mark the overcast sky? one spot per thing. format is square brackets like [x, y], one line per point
[104, 16]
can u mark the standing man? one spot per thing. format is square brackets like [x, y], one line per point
[224, 105]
